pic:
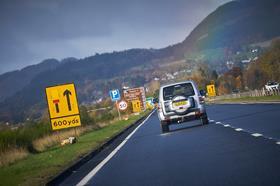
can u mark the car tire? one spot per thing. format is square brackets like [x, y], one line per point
[181, 97]
[204, 119]
[164, 127]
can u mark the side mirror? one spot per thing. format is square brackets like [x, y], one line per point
[202, 92]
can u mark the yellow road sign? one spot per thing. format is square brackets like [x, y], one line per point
[136, 106]
[63, 106]
[211, 90]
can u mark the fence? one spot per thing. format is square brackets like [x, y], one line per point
[252, 93]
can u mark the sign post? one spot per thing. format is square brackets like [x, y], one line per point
[63, 106]
[115, 96]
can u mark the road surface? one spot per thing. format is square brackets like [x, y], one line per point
[240, 146]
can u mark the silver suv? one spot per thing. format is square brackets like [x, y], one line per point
[180, 102]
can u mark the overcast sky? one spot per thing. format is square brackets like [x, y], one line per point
[33, 30]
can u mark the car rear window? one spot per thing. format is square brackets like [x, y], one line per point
[185, 89]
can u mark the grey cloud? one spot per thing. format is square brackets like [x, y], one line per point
[32, 30]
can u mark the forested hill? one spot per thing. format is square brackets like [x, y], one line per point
[234, 24]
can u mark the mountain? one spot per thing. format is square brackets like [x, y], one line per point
[231, 26]
[234, 24]
[12, 82]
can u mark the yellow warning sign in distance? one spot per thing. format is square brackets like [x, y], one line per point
[63, 106]
[211, 90]
[136, 106]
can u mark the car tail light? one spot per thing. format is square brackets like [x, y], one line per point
[201, 99]
[198, 113]
[158, 107]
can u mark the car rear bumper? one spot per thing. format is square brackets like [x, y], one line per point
[176, 119]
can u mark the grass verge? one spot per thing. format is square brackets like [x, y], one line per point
[12, 155]
[37, 169]
[250, 99]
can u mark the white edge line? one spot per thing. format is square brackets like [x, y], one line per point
[218, 122]
[278, 142]
[85, 180]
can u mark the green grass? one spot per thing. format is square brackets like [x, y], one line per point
[37, 169]
[253, 99]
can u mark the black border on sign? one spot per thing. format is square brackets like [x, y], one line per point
[49, 105]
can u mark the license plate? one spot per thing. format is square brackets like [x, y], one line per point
[180, 103]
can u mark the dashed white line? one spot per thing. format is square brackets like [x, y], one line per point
[250, 133]
[256, 134]
[238, 129]
[211, 121]
[86, 179]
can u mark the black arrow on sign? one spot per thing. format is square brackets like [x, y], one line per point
[67, 93]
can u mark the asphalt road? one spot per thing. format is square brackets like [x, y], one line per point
[238, 147]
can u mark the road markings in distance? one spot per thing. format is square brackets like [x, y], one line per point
[238, 129]
[86, 179]
[256, 134]
[249, 132]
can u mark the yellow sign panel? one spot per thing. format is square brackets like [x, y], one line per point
[136, 106]
[63, 106]
[66, 122]
[211, 90]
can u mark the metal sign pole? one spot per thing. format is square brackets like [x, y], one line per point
[118, 110]
[76, 134]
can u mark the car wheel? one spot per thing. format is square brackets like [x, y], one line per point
[164, 127]
[180, 110]
[204, 119]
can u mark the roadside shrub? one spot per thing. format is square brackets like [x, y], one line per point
[11, 155]
[22, 137]
[45, 142]
[85, 117]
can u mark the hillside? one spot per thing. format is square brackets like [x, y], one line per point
[12, 82]
[231, 26]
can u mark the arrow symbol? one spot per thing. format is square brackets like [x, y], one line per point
[67, 93]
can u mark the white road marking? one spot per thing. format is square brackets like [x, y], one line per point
[86, 179]
[256, 134]
[165, 134]
[211, 121]
[250, 133]
[238, 129]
